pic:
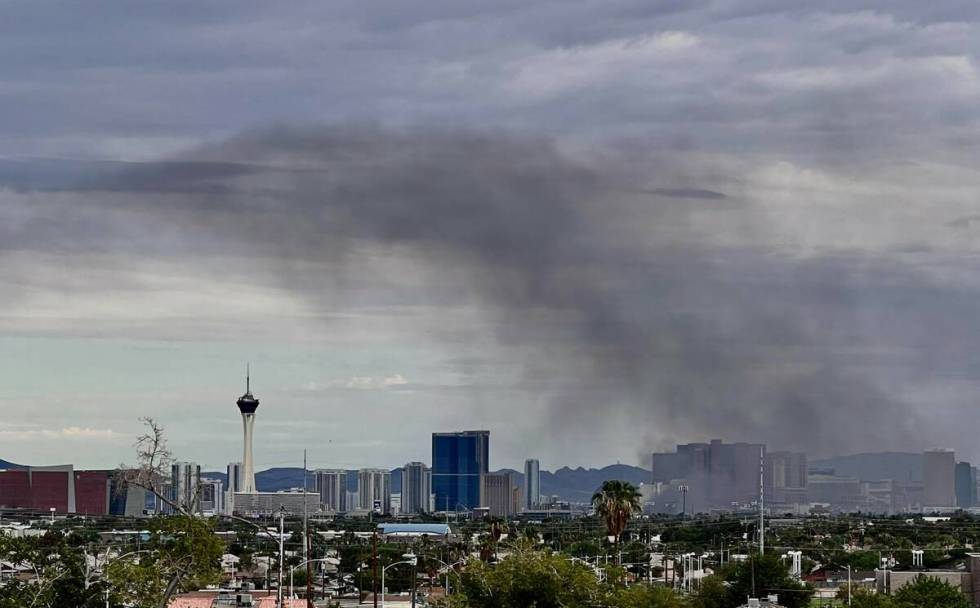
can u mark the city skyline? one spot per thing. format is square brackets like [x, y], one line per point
[593, 231]
[517, 463]
[566, 303]
[700, 477]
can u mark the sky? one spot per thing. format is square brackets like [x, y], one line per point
[597, 228]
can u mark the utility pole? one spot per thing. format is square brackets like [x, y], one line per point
[415, 578]
[282, 529]
[374, 566]
[309, 571]
[762, 500]
[306, 539]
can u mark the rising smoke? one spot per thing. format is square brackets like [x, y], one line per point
[641, 299]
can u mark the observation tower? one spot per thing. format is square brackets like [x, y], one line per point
[247, 404]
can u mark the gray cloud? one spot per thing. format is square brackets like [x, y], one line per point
[672, 336]
[855, 83]
[967, 221]
[722, 218]
[689, 193]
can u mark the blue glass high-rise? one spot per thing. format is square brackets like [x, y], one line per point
[459, 462]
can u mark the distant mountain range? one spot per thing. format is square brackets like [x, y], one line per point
[578, 484]
[575, 485]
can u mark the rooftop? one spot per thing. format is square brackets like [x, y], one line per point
[398, 528]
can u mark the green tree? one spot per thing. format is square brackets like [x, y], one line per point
[865, 599]
[60, 576]
[615, 503]
[70, 587]
[862, 560]
[758, 576]
[644, 596]
[932, 592]
[186, 550]
[183, 553]
[711, 594]
[525, 578]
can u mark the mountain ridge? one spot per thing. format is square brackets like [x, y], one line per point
[568, 484]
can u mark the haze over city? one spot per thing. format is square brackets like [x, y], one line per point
[597, 229]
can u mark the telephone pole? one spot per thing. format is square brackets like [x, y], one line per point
[309, 575]
[282, 529]
[306, 539]
[762, 500]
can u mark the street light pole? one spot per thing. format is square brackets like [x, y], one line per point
[374, 566]
[383, 570]
[415, 578]
[410, 558]
[105, 566]
[306, 537]
[449, 568]
[293, 569]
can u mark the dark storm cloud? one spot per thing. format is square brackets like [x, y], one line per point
[732, 232]
[681, 335]
[53, 175]
[689, 193]
[843, 81]
[967, 221]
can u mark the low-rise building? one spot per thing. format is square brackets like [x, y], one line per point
[967, 580]
[269, 503]
[406, 532]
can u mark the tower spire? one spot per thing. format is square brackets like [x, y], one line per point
[247, 404]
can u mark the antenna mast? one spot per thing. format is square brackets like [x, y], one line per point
[762, 500]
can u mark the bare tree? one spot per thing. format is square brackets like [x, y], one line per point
[152, 469]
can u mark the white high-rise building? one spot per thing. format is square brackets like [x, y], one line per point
[532, 484]
[498, 494]
[374, 490]
[185, 481]
[247, 404]
[232, 485]
[332, 486]
[416, 488]
[212, 496]
[234, 472]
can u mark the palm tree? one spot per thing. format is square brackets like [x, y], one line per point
[616, 502]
